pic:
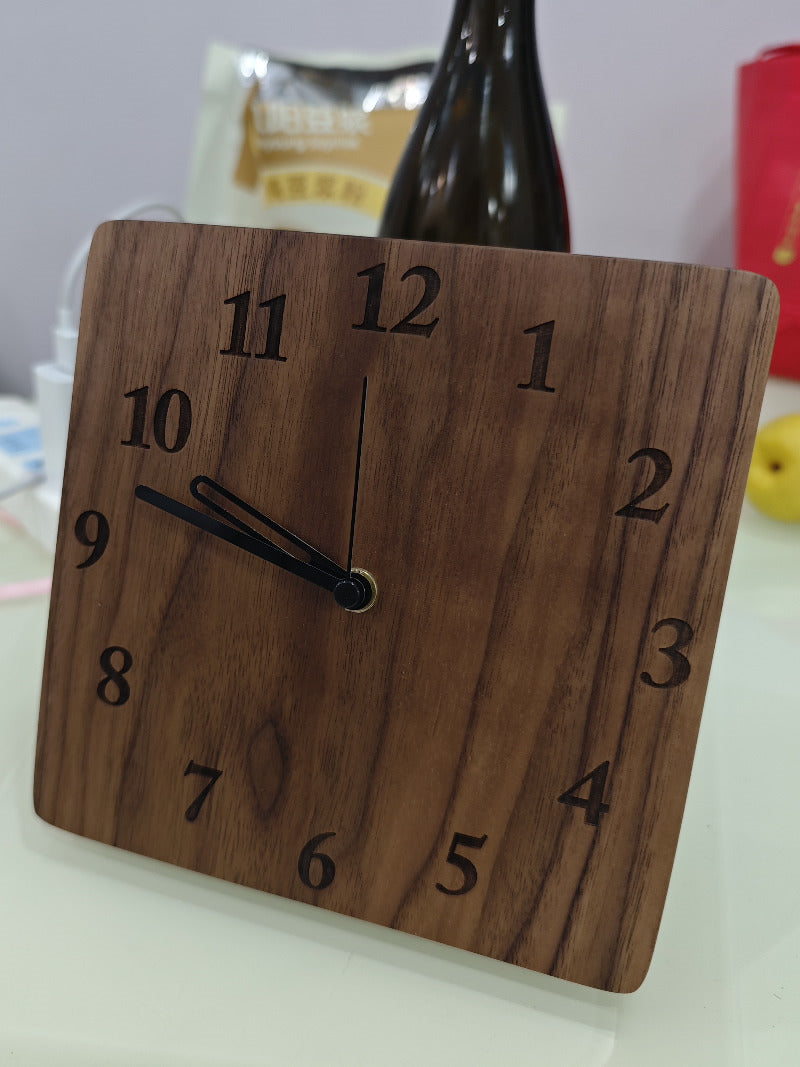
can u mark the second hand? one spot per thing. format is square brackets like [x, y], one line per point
[358, 478]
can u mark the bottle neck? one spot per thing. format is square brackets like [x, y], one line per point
[500, 27]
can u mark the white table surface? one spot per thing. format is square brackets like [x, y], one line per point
[107, 958]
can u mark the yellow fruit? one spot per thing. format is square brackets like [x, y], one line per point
[773, 485]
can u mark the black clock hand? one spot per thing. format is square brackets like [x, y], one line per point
[250, 542]
[358, 478]
[351, 591]
[315, 556]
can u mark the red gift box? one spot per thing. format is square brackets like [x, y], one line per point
[768, 193]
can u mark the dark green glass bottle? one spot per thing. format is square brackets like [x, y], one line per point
[481, 165]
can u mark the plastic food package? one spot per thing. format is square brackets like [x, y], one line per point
[768, 194]
[301, 144]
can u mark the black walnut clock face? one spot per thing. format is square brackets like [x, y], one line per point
[389, 574]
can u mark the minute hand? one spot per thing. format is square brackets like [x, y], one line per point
[256, 546]
[199, 489]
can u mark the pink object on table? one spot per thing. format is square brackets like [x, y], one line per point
[18, 590]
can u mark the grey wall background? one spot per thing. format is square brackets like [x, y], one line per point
[98, 101]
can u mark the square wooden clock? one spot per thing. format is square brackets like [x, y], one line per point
[389, 573]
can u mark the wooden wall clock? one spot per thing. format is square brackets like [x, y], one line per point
[389, 573]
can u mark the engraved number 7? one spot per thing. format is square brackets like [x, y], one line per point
[207, 772]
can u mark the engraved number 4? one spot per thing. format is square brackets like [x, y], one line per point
[593, 804]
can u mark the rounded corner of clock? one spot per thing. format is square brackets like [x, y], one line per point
[103, 232]
[633, 980]
[40, 808]
[626, 978]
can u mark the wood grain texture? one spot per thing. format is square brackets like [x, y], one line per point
[517, 611]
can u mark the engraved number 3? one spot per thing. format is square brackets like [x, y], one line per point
[681, 667]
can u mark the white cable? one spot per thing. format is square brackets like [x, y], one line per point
[65, 333]
[53, 381]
